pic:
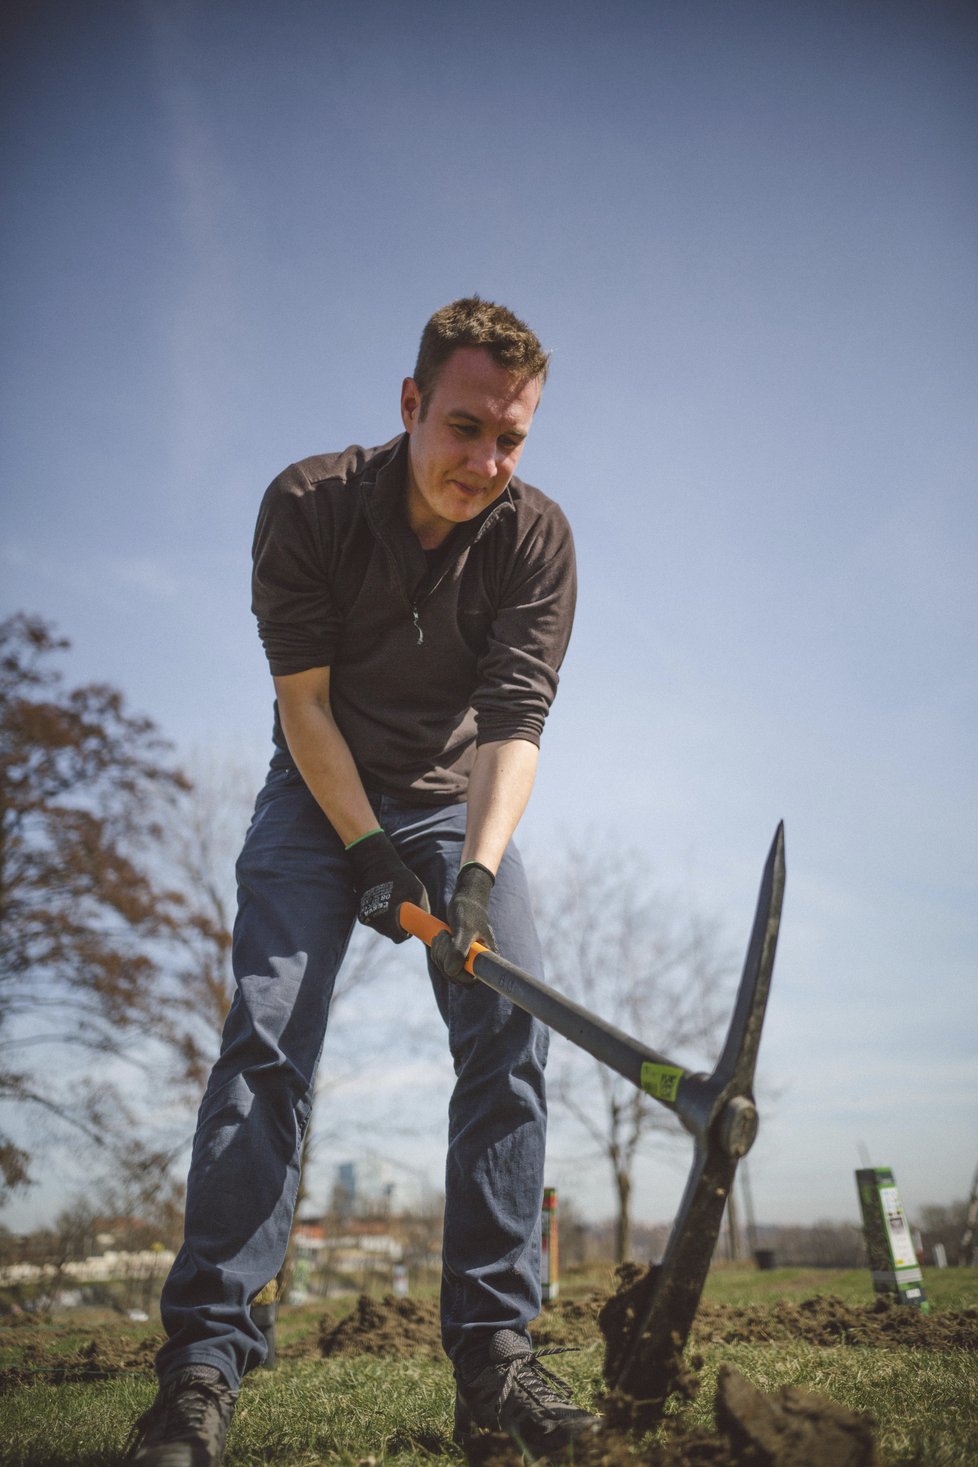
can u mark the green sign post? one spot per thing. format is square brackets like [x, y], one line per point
[888, 1240]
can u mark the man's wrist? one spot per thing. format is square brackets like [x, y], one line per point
[377, 830]
[477, 866]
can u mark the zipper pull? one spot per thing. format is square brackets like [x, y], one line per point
[417, 625]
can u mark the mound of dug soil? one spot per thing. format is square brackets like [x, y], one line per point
[826, 1320]
[392, 1326]
[823, 1320]
[387, 1326]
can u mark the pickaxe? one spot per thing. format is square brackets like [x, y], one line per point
[717, 1109]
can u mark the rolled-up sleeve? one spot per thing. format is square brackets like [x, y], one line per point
[518, 672]
[291, 597]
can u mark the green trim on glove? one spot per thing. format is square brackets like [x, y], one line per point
[377, 830]
[382, 883]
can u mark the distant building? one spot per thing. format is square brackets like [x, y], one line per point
[363, 1188]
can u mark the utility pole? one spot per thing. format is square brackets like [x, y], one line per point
[733, 1228]
[748, 1207]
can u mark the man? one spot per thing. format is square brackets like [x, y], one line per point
[415, 602]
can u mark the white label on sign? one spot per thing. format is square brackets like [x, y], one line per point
[901, 1243]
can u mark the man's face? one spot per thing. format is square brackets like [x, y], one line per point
[464, 451]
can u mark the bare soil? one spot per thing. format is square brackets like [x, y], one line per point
[392, 1326]
[822, 1320]
[388, 1326]
[106, 1354]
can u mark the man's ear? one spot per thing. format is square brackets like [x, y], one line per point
[410, 403]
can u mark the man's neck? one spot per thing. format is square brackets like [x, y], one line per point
[431, 537]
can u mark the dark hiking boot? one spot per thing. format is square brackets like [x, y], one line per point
[187, 1424]
[518, 1395]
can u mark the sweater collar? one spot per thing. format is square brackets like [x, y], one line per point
[383, 494]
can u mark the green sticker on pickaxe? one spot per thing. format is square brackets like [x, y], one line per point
[661, 1081]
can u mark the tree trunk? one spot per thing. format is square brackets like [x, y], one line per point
[283, 1279]
[623, 1224]
[733, 1227]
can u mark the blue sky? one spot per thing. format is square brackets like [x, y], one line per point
[748, 233]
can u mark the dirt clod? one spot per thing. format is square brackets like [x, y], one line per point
[662, 1374]
[793, 1428]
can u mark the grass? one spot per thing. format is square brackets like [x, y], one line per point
[398, 1412]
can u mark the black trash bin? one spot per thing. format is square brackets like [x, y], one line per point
[765, 1258]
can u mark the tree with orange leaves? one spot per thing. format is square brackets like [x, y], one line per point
[93, 933]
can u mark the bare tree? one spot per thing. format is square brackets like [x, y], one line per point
[87, 926]
[644, 961]
[204, 836]
[204, 839]
[944, 1224]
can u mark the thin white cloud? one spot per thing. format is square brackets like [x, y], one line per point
[148, 575]
[106, 580]
[205, 320]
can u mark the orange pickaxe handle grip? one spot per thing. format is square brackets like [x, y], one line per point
[424, 925]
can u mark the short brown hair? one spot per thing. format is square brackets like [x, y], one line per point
[475, 322]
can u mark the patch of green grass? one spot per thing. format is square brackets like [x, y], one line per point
[304, 1415]
[81, 1425]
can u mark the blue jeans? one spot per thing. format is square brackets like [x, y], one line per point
[296, 911]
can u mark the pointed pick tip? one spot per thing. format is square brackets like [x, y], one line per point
[775, 856]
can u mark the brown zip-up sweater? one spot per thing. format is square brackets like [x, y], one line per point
[430, 654]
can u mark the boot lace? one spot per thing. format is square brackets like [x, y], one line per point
[542, 1386]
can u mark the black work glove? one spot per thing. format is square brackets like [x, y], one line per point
[383, 882]
[468, 918]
